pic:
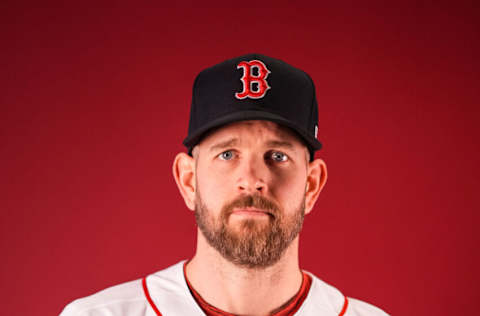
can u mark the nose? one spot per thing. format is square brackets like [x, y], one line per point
[252, 176]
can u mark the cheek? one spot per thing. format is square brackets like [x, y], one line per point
[289, 188]
[212, 188]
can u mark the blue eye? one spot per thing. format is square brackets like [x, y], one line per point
[226, 155]
[278, 156]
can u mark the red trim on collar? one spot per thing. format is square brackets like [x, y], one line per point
[289, 309]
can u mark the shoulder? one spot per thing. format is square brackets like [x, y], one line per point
[330, 301]
[119, 297]
[360, 308]
[126, 298]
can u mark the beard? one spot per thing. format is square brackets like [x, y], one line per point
[250, 243]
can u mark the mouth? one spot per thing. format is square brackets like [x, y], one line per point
[251, 212]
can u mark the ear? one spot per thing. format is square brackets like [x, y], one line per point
[316, 179]
[184, 174]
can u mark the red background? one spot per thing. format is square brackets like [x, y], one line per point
[94, 106]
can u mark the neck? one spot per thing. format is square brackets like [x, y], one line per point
[244, 291]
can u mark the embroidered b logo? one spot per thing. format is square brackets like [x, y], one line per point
[254, 85]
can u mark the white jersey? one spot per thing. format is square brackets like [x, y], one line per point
[166, 293]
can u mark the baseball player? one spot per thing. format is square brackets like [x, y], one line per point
[250, 177]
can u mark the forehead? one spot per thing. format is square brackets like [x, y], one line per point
[257, 130]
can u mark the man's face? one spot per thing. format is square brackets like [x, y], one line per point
[250, 191]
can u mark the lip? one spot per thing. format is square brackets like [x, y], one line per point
[250, 211]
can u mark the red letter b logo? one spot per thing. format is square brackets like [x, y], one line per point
[248, 80]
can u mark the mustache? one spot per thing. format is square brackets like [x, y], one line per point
[255, 201]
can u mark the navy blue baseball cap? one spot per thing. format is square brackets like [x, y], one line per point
[254, 87]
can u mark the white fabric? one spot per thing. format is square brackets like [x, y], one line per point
[169, 291]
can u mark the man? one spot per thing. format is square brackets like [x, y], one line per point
[250, 177]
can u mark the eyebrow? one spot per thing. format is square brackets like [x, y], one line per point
[235, 141]
[280, 143]
[224, 144]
